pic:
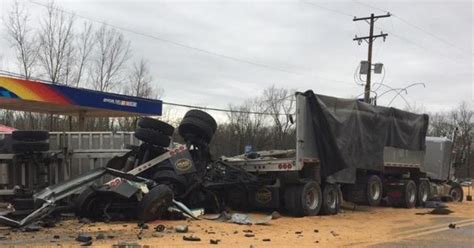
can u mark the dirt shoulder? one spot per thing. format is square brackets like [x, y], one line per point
[362, 226]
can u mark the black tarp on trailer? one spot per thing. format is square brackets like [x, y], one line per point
[352, 135]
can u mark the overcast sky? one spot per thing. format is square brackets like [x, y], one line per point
[303, 45]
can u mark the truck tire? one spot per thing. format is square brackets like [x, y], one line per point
[374, 190]
[176, 182]
[157, 125]
[194, 127]
[30, 135]
[87, 204]
[155, 203]
[304, 200]
[456, 193]
[331, 203]
[29, 146]
[423, 192]
[207, 118]
[152, 137]
[403, 194]
[366, 191]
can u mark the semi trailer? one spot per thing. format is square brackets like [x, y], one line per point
[351, 150]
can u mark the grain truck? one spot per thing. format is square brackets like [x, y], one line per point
[351, 150]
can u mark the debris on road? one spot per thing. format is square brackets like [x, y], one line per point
[100, 236]
[214, 241]
[275, 215]
[181, 229]
[441, 211]
[452, 226]
[88, 243]
[239, 218]
[249, 235]
[191, 238]
[160, 228]
[84, 237]
[435, 204]
[32, 228]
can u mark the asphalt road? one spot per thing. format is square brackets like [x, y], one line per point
[437, 236]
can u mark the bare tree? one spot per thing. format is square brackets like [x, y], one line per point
[22, 38]
[463, 118]
[280, 105]
[440, 125]
[56, 44]
[140, 80]
[112, 52]
[140, 85]
[85, 44]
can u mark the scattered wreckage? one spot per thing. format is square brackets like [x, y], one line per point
[150, 178]
[344, 148]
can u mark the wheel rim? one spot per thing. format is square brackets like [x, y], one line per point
[411, 194]
[424, 193]
[455, 194]
[331, 198]
[375, 191]
[311, 198]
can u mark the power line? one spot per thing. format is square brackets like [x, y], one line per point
[220, 55]
[329, 9]
[220, 109]
[414, 26]
[241, 60]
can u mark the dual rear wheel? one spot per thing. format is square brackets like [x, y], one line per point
[308, 199]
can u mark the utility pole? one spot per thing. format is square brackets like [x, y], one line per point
[369, 39]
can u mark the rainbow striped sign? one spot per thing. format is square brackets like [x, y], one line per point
[28, 95]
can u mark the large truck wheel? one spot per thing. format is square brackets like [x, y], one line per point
[152, 137]
[304, 200]
[456, 193]
[155, 203]
[331, 199]
[403, 194]
[157, 125]
[30, 146]
[192, 127]
[176, 182]
[30, 136]
[366, 191]
[423, 193]
[88, 204]
[199, 114]
[374, 190]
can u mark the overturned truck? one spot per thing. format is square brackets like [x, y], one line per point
[347, 149]
[143, 183]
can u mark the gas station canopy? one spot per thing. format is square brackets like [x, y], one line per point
[34, 96]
